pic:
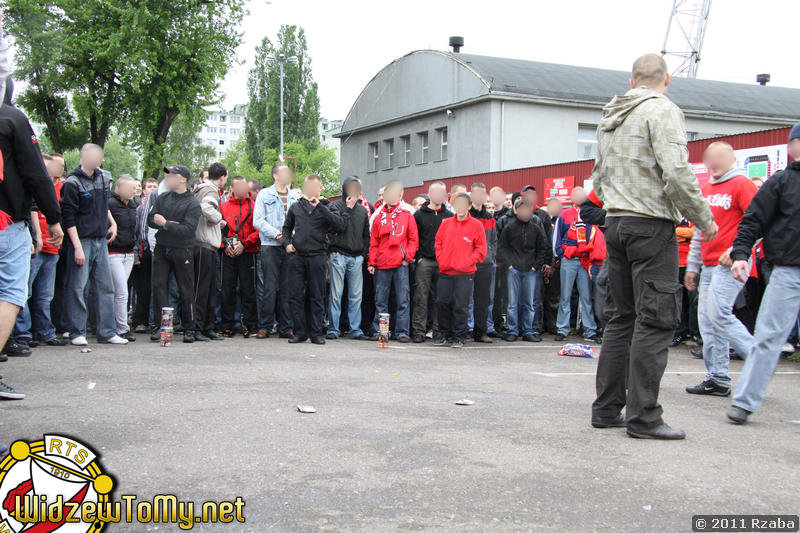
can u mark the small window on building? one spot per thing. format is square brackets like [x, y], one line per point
[424, 148]
[222, 142]
[372, 154]
[223, 131]
[405, 142]
[442, 143]
[222, 118]
[389, 145]
[587, 141]
[236, 119]
[212, 141]
[212, 129]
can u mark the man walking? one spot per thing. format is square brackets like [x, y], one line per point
[269, 216]
[773, 215]
[642, 148]
[175, 215]
[460, 248]
[428, 218]
[729, 193]
[209, 238]
[90, 227]
[348, 249]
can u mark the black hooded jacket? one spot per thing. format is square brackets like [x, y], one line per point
[354, 239]
[428, 222]
[523, 245]
[307, 226]
[24, 174]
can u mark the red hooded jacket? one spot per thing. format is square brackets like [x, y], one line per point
[460, 245]
[393, 237]
[239, 212]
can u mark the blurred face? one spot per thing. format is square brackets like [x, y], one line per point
[283, 176]
[137, 188]
[126, 189]
[55, 167]
[353, 188]
[554, 208]
[393, 195]
[794, 149]
[173, 181]
[479, 196]
[149, 186]
[461, 206]
[524, 212]
[457, 190]
[92, 158]
[240, 188]
[437, 194]
[578, 195]
[531, 197]
[498, 197]
[417, 202]
[312, 188]
[719, 159]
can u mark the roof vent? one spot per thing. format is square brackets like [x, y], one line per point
[456, 43]
[762, 79]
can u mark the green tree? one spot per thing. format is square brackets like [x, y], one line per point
[237, 161]
[301, 102]
[184, 145]
[320, 160]
[118, 158]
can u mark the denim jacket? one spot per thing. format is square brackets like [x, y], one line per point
[268, 215]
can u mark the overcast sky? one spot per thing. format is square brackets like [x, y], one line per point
[351, 40]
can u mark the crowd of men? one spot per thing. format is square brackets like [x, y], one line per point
[473, 263]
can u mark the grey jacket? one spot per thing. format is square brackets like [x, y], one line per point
[208, 233]
[642, 166]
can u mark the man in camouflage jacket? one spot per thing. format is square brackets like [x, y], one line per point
[643, 177]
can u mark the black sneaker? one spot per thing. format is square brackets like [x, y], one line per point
[597, 339]
[32, 343]
[559, 337]
[213, 335]
[709, 387]
[457, 343]
[698, 340]
[189, 336]
[494, 335]
[16, 349]
[677, 341]
[440, 341]
[697, 353]
[510, 337]
[129, 336]
[533, 337]
[318, 340]
[418, 339]
[403, 339]
[331, 336]
[297, 339]
[155, 335]
[57, 341]
[3, 450]
[201, 337]
[3, 358]
[7, 393]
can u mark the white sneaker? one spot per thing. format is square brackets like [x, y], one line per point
[788, 348]
[116, 339]
[79, 341]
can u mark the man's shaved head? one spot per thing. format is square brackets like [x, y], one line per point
[649, 70]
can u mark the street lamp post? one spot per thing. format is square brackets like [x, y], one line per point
[281, 59]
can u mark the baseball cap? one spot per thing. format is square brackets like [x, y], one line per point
[527, 188]
[179, 169]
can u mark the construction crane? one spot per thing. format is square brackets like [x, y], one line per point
[685, 33]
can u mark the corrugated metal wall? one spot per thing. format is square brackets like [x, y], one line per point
[513, 180]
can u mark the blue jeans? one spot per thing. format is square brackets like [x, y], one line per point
[345, 267]
[96, 264]
[523, 301]
[571, 269]
[33, 321]
[719, 328]
[15, 254]
[776, 317]
[383, 284]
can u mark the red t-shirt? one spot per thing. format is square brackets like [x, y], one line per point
[48, 248]
[728, 200]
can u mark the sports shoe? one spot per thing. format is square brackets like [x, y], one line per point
[141, 328]
[213, 335]
[596, 339]
[188, 336]
[677, 341]
[709, 387]
[201, 337]
[331, 336]
[510, 337]
[559, 337]
[440, 341]
[155, 335]
[533, 337]
[16, 349]
[788, 348]
[7, 393]
[56, 341]
[403, 339]
[418, 339]
[697, 353]
[3, 358]
[79, 341]
[116, 339]
[457, 343]
[737, 415]
[129, 336]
